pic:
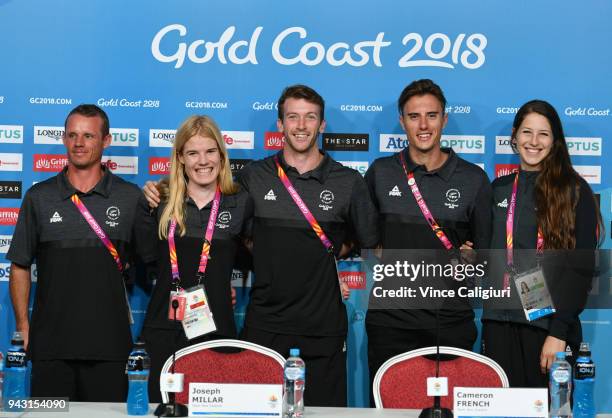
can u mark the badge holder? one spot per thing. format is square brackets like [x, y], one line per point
[198, 319]
[533, 292]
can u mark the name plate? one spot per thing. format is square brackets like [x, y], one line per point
[500, 402]
[235, 400]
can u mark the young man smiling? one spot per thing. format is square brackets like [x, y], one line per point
[296, 297]
[457, 195]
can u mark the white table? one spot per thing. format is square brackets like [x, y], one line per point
[111, 410]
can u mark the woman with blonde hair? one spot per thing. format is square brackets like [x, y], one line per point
[198, 223]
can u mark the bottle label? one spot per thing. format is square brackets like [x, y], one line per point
[137, 363]
[294, 373]
[584, 370]
[15, 359]
[561, 375]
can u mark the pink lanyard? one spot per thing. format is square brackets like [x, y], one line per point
[510, 232]
[303, 208]
[98, 230]
[204, 256]
[423, 206]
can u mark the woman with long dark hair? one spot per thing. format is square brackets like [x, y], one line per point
[545, 224]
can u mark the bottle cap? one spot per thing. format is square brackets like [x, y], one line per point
[560, 355]
[294, 352]
[585, 349]
[17, 338]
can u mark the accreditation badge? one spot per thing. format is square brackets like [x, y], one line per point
[533, 292]
[179, 296]
[198, 319]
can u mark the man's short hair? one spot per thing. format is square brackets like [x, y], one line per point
[90, 111]
[421, 88]
[300, 91]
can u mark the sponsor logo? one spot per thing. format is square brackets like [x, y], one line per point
[464, 144]
[238, 164]
[159, 165]
[591, 173]
[274, 140]
[503, 145]
[50, 162]
[223, 220]
[586, 111]
[10, 190]
[270, 195]
[395, 191]
[503, 203]
[11, 162]
[327, 198]
[360, 166]
[5, 243]
[505, 169]
[8, 216]
[112, 214]
[5, 271]
[354, 279]
[124, 137]
[392, 142]
[55, 218]
[346, 142]
[238, 279]
[50, 135]
[161, 137]
[11, 134]
[239, 139]
[452, 197]
[120, 164]
[584, 146]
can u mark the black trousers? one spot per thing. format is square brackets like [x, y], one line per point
[161, 344]
[516, 348]
[80, 380]
[387, 342]
[325, 359]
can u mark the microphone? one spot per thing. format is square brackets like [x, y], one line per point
[172, 408]
[436, 411]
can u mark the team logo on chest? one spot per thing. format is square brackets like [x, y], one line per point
[452, 198]
[270, 195]
[112, 216]
[327, 198]
[55, 218]
[223, 220]
[503, 203]
[395, 191]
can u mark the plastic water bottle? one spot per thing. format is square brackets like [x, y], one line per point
[294, 385]
[560, 384]
[138, 366]
[15, 372]
[584, 384]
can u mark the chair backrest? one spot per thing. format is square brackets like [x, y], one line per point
[239, 362]
[401, 382]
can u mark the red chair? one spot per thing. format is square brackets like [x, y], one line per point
[401, 382]
[242, 362]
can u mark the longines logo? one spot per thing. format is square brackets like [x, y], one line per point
[161, 137]
[50, 135]
[345, 142]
